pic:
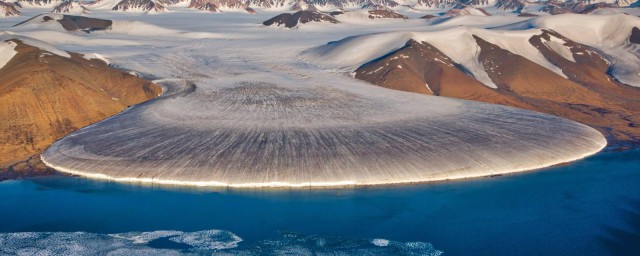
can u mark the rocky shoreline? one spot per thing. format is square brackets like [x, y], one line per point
[30, 167]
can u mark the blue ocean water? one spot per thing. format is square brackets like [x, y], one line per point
[589, 207]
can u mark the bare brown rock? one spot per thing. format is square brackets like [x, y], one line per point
[420, 67]
[587, 95]
[30, 167]
[44, 96]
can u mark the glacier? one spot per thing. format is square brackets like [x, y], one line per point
[244, 106]
[273, 130]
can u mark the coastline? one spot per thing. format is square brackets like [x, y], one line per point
[27, 168]
[34, 166]
[311, 185]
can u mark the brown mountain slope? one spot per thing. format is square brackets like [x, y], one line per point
[595, 100]
[420, 67]
[44, 96]
[588, 94]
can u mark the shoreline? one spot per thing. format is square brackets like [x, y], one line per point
[26, 168]
[45, 171]
[278, 185]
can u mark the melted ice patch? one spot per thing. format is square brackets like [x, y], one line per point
[198, 243]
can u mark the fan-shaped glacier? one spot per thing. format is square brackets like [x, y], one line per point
[262, 129]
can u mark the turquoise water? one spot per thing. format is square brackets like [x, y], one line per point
[590, 207]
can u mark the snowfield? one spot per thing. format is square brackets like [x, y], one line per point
[252, 106]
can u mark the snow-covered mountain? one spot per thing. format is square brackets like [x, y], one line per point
[39, 3]
[571, 65]
[100, 4]
[452, 6]
[220, 5]
[321, 4]
[146, 6]
[435, 3]
[301, 17]
[512, 5]
[8, 9]
[385, 14]
[70, 7]
[302, 5]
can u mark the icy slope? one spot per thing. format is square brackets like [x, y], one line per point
[609, 33]
[457, 43]
[51, 23]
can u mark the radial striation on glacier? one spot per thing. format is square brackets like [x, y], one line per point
[267, 131]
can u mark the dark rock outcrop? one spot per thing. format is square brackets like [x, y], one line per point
[635, 36]
[73, 23]
[293, 20]
[385, 14]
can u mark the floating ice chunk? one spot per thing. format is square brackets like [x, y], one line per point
[205, 242]
[380, 242]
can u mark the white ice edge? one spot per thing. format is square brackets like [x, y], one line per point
[327, 184]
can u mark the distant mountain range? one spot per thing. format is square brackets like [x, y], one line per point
[11, 7]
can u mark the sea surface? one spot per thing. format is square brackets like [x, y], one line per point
[589, 207]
